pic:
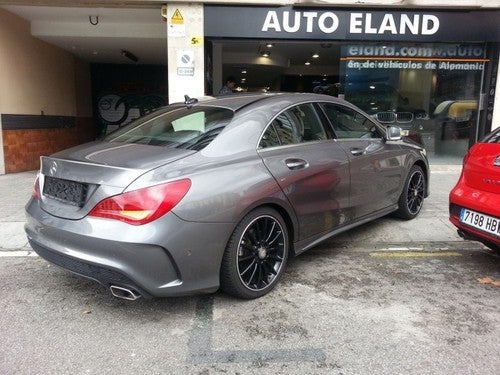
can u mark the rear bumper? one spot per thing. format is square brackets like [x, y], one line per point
[471, 233]
[463, 196]
[171, 258]
[477, 200]
[105, 276]
[468, 232]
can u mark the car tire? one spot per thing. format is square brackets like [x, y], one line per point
[256, 254]
[413, 194]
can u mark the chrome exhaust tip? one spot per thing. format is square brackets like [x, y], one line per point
[124, 293]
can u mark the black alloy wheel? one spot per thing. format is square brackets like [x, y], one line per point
[256, 255]
[412, 198]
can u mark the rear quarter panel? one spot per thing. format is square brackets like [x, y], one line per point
[223, 188]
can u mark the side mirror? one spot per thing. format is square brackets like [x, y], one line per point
[393, 133]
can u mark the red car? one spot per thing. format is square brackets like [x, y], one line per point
[475, 199]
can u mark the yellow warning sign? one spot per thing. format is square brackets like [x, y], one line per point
[177, 18]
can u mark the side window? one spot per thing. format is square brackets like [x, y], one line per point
[312, 128]
[296, 125]
[288, 128]
[347, 123]
[270, 138]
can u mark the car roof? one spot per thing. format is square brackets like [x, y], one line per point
[236, 102]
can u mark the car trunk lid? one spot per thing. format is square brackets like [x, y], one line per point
[73, 181]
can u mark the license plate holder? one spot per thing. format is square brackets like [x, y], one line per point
[485, 223]
[67, 191]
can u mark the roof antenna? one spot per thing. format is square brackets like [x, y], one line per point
[189, 102]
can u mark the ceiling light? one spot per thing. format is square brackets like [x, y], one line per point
[315, 55]
[307, 63]
[265, 53]
[244, 71]
[269, 45]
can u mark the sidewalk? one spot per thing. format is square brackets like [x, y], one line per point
[15, 191]
[431, 225]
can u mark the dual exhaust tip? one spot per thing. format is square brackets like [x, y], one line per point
[124, 293]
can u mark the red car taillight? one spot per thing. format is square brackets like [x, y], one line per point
[36, 190]
[144, 205]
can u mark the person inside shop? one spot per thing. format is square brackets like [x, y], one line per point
[228, 86]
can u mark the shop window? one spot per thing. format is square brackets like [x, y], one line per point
[432, 89]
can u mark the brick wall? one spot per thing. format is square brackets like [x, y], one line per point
[23, 147]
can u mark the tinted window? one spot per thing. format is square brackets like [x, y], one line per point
[296, 125]
[347, 123]
[189, 128]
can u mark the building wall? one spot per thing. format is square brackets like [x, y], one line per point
[39, 80]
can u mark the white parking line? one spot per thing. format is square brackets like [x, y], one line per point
[416, 254]
[17, 253]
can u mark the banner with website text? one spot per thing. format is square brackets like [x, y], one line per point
[465, 57]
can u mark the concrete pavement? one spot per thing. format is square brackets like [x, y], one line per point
[431, 226]
[15, 190]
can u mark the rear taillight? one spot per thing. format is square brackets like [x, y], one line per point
[36, 189]
[142, 206]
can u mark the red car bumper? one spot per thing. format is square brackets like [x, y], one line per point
[463, 196]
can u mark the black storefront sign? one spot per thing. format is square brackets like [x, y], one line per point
[354, 24]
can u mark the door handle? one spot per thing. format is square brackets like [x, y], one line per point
[294, 164]
[357, 151]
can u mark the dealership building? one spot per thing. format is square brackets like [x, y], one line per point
[72, 71]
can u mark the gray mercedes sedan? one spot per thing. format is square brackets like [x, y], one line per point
[220, 192]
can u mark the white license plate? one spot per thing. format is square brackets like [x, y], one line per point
[486, 223]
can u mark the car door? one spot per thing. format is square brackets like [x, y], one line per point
[376, 165]
[310, 167]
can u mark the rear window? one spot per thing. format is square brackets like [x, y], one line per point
[187, 128]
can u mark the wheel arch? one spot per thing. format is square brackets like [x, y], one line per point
[291, 226]
[286, 212]
[425, 168]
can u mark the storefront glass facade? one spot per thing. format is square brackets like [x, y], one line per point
[422, 70]
[432, 89]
